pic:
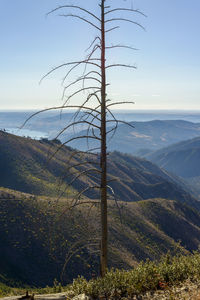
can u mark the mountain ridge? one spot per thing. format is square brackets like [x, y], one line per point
[145, 136]
[36, 236]
[37, 230]
[27, 169]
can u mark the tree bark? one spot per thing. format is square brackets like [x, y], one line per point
[104, 226]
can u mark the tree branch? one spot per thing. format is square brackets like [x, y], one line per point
[121, 46]
[95, 39]
[76, 63]
[81, 90]
[81, 18]
[125, 9]
[123, 122]
[83, 173]
[55, 108]
[74, 6]
[111, 29]
[125, 20]
[76, 123]
[121, 65]
[121, 102]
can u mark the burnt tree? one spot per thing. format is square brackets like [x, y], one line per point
[95, 110]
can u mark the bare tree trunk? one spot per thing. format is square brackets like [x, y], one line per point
[104, 227]
[85, 113]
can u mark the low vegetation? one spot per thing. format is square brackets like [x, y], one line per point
[146, 276]
[41, 239]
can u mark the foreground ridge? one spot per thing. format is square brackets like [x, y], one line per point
[174, 277]
[188, 290]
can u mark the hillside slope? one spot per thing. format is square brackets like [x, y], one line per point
[38, 235]
[146, 136]
[27, 168]
[181, 158]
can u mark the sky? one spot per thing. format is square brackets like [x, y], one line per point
[168, 60]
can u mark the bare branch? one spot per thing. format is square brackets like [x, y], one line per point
[70, 255]
[83, 173]
[88, 98]
[121, 65]
[74, 6]
[82, 164]
[94, 94]
[90, 78]
[79, 194]
[81, 18]
[112, 129]
[81, 90]
[93, 133]
[93, 72]
[92, 115]
[76, 63]
[55, 108]
[70, 140]
[95, 39]
[96, 47]
[125, 9]
[84, 152]
[116, 202]
[92, 202]
[115, 120]
[121, 46]
[114, 179]
[121, 102]
[75, 123]
[125, 20]
[85, 77]
[120, 121]
[115, 128]
[111, 29]
[76, 81]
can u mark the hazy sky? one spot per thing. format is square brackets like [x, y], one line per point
[168, 64]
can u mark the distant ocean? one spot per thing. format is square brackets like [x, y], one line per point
[45, 125]
[149, 115]
[37, 135]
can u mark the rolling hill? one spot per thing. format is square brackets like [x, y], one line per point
[38, 235]
[146, 136]
[181, 158]
[27, 169]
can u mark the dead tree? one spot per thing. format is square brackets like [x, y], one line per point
[95, 110]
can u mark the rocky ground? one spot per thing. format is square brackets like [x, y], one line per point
[187, 291]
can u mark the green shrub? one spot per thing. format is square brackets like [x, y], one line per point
[4, 290]
[145, 277]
